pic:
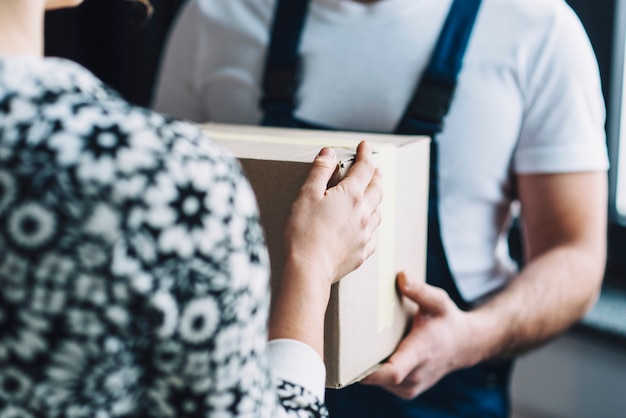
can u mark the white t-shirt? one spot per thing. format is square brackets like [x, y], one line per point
[528, 98]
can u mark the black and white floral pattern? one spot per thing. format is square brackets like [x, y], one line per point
[133, 271]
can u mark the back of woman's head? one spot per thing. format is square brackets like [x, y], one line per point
[145, 4]
[141, 11]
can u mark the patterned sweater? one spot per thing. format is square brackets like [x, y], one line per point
[133, 270]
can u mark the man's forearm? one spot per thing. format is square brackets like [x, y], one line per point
[564, 221]
[554, 290]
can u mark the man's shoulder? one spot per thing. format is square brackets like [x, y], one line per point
[530, 12]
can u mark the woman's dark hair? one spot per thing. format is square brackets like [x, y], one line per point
[141, 11]
[147, 5]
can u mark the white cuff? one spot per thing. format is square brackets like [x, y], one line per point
[296, 362]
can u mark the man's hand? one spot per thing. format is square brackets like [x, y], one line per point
[439, 342]
[564, 219]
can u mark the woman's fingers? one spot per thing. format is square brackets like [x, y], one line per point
[360, 174]
[322, 169]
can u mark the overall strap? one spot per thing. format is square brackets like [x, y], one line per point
[431, 100]
[283, 67]
[424, 116]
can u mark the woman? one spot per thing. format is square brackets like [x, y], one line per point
[133, 272]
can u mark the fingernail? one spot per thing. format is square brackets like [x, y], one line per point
[404, 279]
[326, 152]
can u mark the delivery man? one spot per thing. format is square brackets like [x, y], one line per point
[509, 91]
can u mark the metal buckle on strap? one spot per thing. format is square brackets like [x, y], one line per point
[431, 101]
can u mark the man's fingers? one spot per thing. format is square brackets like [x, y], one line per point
[386, 375]
[395, 370]
[430, 299]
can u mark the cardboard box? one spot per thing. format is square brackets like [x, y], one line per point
[366, 317]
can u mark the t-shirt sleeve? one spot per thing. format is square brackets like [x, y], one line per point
[563, 125]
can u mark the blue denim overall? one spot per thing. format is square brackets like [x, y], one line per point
[479, 391]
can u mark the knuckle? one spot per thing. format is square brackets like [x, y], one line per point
[412, 380]
[307, 190]
[377, 217]
[396, 378]
[381, 193]
[440, 294]
[405, 394]
[360, 259]
[364, 221]
[324, 163]
[357, 199]
[411, 393]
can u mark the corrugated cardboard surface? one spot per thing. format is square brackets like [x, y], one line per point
[366, 317]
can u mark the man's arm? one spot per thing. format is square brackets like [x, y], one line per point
[564, 218]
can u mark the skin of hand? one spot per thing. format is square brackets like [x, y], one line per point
[332, 230]
[329, 233]
[431, 349]
[564, 220]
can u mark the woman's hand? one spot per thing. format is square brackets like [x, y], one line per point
[329, 233]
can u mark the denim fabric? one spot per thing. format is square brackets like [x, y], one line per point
[477, 392]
